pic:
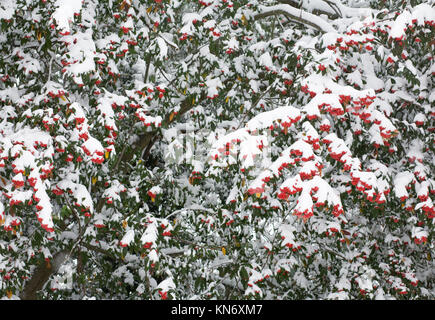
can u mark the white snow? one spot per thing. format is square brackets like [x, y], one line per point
[64, 12]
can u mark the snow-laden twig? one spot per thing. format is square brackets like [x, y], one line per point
[296, 15]
[349, 12]
[256, 102]
[49, 68]
[319, 7]
[203, 246]
[334, 7]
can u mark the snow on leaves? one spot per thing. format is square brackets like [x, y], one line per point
[226, 147]
[112, 193]
[301, 153]
[149, 237]
[127, 238]
[94, 149]
[81, 55]
[79, 192]
[64, 13]
[283, 116]
[319, 130]
[165, 286]
[22, 152]
[420, 15]
[7, 9]
[213, 86]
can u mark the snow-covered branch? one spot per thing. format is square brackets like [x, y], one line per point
[296, 15]
[318, 8]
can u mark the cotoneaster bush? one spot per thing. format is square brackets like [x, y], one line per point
[217, 149]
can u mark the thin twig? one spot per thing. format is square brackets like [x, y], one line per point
[49, 68]
[196, 244]
[255, 104]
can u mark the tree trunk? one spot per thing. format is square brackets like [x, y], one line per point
[41, 274]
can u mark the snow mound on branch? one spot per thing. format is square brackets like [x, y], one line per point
[237, 145]
[319, 84]
[7, 9]
[290, 186]
[314, 192]
[188, 22]
[420, 13]
[312, 109]
[27, 145]
[127, 238]
[81, 54]
[257, 186]
[149, 237]
[285, 115]
[401, 181]
[266, 60]
[287, 234]
[44, 208]
[112, 193]
[166, 285]
[213, 85]
[78, 191]
[93, 146]
[64, 12]
[295, 12]
[106, 102]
